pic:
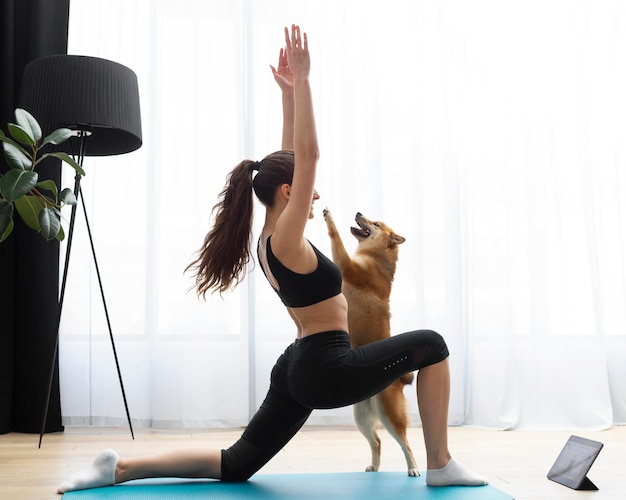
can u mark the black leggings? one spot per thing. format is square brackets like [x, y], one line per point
[319, 372]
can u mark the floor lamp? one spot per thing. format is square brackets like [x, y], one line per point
[99, 100]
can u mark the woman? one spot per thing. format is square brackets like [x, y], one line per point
[318, 370]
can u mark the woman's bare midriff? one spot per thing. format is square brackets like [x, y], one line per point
[330, 314]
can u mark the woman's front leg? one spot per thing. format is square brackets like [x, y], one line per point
[433, 388]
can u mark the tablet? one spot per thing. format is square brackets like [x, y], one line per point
[571, 466]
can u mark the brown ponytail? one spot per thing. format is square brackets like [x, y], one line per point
[223, 257]
[226, 248]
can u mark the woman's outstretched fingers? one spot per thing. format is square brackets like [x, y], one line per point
[287, 38]
[297, 40]
[295, 35]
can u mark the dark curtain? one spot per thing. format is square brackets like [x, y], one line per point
[29, 265]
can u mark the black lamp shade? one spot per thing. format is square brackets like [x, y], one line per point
[84, 93]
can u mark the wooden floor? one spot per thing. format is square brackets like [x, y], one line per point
[513, 461]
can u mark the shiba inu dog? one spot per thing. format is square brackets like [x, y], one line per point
[367, 279]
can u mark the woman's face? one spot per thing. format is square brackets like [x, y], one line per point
[316, 196]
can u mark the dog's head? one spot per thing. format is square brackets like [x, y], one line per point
[373, 234]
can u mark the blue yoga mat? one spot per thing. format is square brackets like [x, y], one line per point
[351, 485]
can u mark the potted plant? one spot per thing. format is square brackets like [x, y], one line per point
[37, 202]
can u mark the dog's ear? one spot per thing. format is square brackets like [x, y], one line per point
[397, 239]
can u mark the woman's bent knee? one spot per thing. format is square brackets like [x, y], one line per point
[438, 348]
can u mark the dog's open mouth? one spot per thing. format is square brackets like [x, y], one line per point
[362, 231]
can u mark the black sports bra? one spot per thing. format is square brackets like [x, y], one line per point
[301, 290]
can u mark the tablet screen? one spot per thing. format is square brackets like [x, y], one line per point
[574, 461]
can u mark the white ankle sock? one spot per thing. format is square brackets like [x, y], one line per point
[100, 473]
[453, 474]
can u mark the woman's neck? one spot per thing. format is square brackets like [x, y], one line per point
[270, 223]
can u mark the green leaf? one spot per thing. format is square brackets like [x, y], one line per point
[67, 196]
[58, 136]
[7, 232]
[17, 183]
[20, 135]
[50, 223]
[67, 159]
[6, 219]
[16, 158]
[29, 207]
[6, 209]
[28, 123]
[61, 235]
[50, 185]
[8, 140]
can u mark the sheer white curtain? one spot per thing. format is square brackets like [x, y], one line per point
[488, 133]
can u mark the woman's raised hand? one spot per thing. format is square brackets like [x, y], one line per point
[283, 74]
[297, 49]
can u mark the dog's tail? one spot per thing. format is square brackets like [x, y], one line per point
[407, 379]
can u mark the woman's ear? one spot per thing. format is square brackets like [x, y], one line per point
[285, 191]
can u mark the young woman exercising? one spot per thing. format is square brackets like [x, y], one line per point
[319, 369]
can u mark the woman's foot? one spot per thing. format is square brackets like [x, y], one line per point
[453, 474]
[100, 473]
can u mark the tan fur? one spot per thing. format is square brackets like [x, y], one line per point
[367, 279]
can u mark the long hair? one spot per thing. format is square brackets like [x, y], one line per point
[225, 253]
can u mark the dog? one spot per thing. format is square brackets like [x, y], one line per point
[367, 279]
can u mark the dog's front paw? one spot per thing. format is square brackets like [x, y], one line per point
[328, 217]
[371, 468]
[414, 473]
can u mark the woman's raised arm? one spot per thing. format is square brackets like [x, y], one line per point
[289, 234]
[284, 78]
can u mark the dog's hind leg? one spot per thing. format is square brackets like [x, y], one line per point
[366, 421]
[391, 408]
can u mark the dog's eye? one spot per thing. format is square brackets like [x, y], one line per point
[376, 224]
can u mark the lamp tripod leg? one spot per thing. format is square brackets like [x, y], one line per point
[68, 252]
[106, 313]
[78, 193]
